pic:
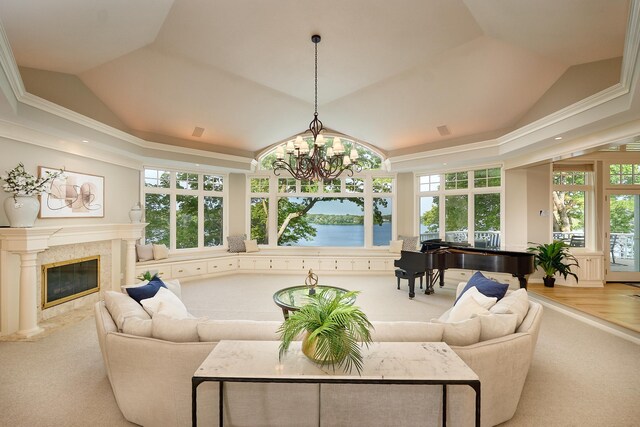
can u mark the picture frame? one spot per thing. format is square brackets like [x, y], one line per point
[72, 195]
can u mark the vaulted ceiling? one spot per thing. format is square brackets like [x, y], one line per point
[390, 72]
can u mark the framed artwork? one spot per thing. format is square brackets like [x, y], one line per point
[72, 195]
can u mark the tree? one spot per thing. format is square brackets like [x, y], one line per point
[621, 213]
[568, 211]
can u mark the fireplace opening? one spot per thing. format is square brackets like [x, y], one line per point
[68, 280]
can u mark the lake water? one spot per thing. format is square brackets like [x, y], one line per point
[347, 235]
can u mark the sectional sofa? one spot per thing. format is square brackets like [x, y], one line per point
[151, 377]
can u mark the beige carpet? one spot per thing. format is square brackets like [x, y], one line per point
[580, 376]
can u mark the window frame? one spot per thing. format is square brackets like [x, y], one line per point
[368, 195]
[471, 191]
[589, 202]
[200, 193]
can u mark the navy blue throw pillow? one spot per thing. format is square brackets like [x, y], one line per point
[487, 287]
[147, 291]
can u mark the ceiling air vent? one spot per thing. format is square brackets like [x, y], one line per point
[197, 132]
[444, 130]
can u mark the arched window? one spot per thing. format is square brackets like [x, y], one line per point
[352, 211]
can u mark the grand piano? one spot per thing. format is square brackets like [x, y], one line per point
[436, 256]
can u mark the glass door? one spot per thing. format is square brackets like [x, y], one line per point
[623, 236]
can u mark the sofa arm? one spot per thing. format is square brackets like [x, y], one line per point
[502, 365]
[151, 380]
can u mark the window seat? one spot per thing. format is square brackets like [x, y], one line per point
[278, 260]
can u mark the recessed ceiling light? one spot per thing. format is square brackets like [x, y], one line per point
[85, 140]
[197, 164]
[558, 138]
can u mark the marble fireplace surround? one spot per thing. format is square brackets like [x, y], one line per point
[22, 251]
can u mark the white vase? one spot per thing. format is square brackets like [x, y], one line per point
[21, 211]
[135, 215]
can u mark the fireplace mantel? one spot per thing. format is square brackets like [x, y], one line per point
[18, 280]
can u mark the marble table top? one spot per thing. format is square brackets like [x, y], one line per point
[393, 362]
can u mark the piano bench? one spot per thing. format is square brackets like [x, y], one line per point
[402, 274]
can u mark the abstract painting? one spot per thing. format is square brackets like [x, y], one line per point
[73, 195]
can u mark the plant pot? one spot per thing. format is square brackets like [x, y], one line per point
[549, 281]
[309, 350]
[21, 211]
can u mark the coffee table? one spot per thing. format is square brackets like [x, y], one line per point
[405, 363]
[294, 297]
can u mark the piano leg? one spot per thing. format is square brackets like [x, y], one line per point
[522, 280]
[412, 286]
[431, 280]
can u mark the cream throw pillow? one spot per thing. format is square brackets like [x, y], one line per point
[251, 245]
[169, 300]
[462, 333]
[395, 246]
[465, 309]
[497, 325]
[516, 302]
[144, 252]
[121, 307]
[160, 251]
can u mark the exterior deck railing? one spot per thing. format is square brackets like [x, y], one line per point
[482, 239]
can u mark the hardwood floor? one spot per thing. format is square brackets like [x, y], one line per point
[615, 302]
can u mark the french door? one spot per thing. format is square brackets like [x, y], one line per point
[623, 235]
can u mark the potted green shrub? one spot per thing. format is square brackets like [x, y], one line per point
[553, 258]
[333, 330]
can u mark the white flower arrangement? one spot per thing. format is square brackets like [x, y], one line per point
[21, 183]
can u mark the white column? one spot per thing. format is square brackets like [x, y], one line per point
[130, 268]
[28, 320]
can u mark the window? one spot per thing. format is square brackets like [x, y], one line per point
[456, 180]
[318, 221]
[184, 209]
[624, 174]
[572, 190]
[463, 210]
[259, 210]
[352, 211]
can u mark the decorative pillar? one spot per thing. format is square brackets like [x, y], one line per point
[130, 268]
[28, 320]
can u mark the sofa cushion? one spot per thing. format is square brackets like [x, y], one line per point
[486, 286]
[170, 302]
[139, 293]
[217, 330]
[168, 328]
[138, 327]
[465, 332]
[406, 331]
[516, 302]
[497, 325]
[121, 307]
[144, 252]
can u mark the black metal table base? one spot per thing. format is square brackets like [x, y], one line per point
[196, 381]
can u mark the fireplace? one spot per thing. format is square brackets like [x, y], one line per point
[68, 280]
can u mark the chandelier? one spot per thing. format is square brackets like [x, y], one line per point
[315, 160]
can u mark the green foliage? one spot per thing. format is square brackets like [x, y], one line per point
[487, 211]
[456, 213]
[621, 213]
[554, 258]
[337, 326]
[157, 215]
[328, 219]
[260, 219]
[568, 211]
[146, 276]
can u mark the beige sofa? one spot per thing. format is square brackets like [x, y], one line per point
[151, 381]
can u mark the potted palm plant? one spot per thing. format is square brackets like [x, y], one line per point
[553, 258]
[333, 330]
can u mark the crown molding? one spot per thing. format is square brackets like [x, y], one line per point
[509, 143]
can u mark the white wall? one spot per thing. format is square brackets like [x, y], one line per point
[122, 185]
[406, 209]
[237, 204]
[539, 199]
